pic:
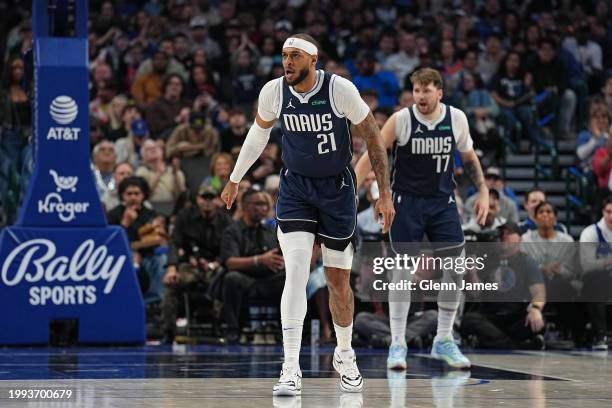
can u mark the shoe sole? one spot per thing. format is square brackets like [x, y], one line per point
[286, 392]
[352, 390]
[399, 366]
[448, 361]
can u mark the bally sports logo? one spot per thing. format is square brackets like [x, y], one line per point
[63, 111]
[37, 261]
[54, 203]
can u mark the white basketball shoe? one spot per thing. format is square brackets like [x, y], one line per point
[345, 364]
[290, 382]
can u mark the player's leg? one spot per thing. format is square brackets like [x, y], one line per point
[336, 201]
[445, 233]
[405, 235]
[297, 225]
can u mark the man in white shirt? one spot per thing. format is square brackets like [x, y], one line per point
[596, 262]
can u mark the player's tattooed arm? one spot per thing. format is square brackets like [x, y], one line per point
[472, 168]
[368, 129]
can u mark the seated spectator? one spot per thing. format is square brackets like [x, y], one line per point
[490, 60]
[507, 206]
[129, 147]
[533, 197]
[482, 112]
[115, 115]
[594, 137]
[555, 255]
[596, 262]
[383, 82]
[166, 183]
[104, 160]
[511, 90]
[511, 316]
[193, 255]
[111, 199]
[194, 143]
[405, 61]
[100, 106]
[375, 330]
[143, 232]
[549, 74]
[130, 113]
[250, 253]
[586, 52]
[169, 111]
[175, 67]
[606, 92]
[493, 219]
[602, 165]
[221, 166]
[269, 163]
[245, 84]
[200, 82]
[147, 88]
[233, 137]
[363, 192]
[368, 227]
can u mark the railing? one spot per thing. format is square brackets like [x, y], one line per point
[539, 171]
[575, 201]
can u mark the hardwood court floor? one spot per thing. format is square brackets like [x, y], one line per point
[211, 376]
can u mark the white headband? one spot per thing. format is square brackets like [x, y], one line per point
[301, 44]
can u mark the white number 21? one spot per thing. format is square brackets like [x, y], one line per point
[324, 139]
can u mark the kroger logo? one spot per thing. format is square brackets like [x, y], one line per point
[63, 110]
[54, 203]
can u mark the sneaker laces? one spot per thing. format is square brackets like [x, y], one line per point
[288, 373]
[450, 347]
[351, 370]
[396, 351]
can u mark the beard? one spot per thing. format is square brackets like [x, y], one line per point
[302, 76]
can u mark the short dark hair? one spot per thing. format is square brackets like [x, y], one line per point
[534, 190]
[606, 201]
[549, 41]
[255, 189]
[544, 204]
[134, 181]
[169, 78]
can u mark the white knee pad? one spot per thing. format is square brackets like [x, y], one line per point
[297, 251]
[338, 259]
[450, 299]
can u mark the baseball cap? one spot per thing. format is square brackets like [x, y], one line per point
[493, 172]
[198, 21]
[207, 191]
[510, 227]
[197, 120]
[139, 127]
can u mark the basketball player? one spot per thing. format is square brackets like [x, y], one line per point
[317, 197]
[425, 136]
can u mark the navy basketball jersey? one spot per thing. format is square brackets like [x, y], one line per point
[424, 165]
[316, 140]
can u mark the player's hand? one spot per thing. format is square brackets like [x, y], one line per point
[384, 209]
[229, 194]
[481, 206]
[534, 320]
